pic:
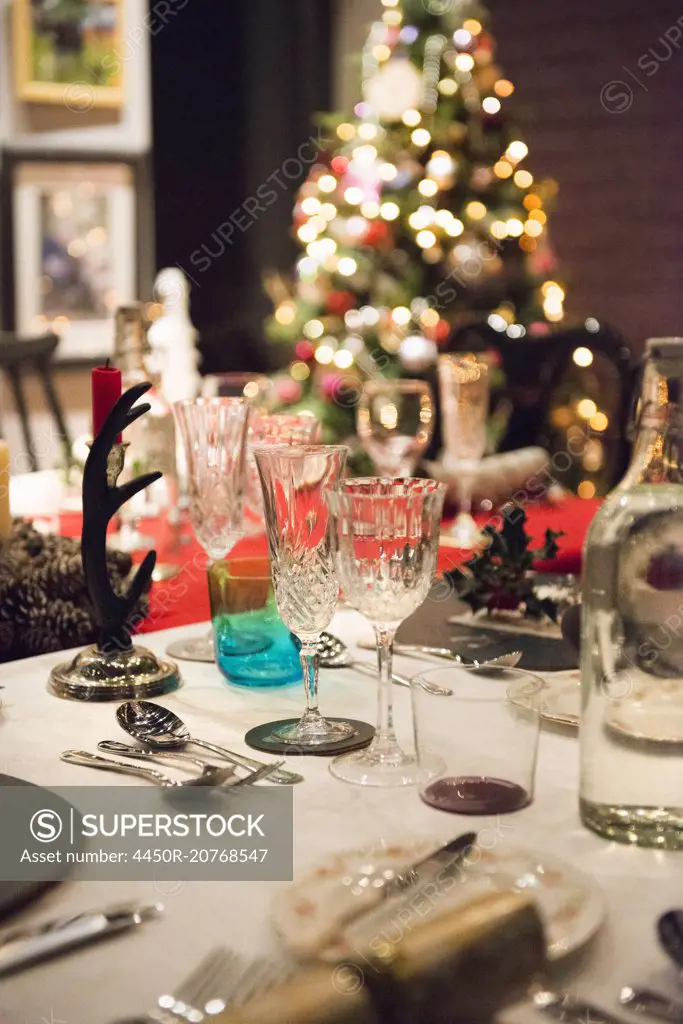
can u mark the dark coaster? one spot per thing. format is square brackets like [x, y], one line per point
[14, 895]
[261, 738]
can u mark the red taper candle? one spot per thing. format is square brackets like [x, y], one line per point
[106, 391]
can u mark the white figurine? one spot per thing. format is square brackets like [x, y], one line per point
[172, 338]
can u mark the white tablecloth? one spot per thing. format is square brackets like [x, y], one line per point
[124, 976]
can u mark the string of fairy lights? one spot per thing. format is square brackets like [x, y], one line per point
[393, 172]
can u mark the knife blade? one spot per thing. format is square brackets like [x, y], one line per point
[438, 867]
[26, 946]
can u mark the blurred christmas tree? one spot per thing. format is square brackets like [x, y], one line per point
[419, 216]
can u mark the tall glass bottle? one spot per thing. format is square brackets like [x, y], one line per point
[150, 518]
[632, 628]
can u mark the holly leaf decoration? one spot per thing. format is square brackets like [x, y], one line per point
[500, 577]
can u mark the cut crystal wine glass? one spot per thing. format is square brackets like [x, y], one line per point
[395, 420]
[268, 429]
[255, 388]
[385, 535]
[294, 481]
[214, 433]
[464, 390]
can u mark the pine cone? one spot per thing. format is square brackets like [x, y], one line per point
[44, 600]
[62, 624]
[21, 599]
[119, 562]
[62, 577]
[7, 637]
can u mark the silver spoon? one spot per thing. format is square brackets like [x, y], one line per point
[509, 660]
[157, 727]
[335, 654]
[210, 776]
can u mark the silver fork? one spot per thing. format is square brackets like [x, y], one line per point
[137, 753]
[223, 978]
[569, 1009]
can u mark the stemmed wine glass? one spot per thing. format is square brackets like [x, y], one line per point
[269, 429]
[395, 421]
[255, 388]
[464, 391]
[214, 433]
[294, 481]
[385, 535]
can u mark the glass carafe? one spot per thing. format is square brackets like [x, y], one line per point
[632, 629]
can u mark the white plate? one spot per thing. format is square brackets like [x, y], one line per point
[560, 697]
[310, 916]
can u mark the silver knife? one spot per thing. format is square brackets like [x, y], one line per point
[26, 946]
[439, 866]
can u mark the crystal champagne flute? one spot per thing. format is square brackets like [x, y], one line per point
[294, 481]
[464, 390]
[395, 420]
[386, 536]
[214, 433]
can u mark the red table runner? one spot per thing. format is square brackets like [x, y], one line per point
[184, 599]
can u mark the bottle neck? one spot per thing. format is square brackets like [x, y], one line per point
[658, 450]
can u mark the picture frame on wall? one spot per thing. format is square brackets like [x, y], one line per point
[72, 241]
[69, 52]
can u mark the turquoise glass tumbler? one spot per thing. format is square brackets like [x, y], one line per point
[253, 646]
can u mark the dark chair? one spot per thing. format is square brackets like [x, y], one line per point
[540, 374]
[19, 357]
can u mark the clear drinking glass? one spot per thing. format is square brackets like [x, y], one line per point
[464, 391]
[386, 536]
[294, 481]
[476, 748]
[214, 433]
[255, 388]
[269, 429]
[395, 421]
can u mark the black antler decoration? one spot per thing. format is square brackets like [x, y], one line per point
[102, 498]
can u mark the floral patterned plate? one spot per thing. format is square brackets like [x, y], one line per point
[312, 915]
[560, 697]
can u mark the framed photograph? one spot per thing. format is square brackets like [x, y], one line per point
[68, 52]
[73, 248]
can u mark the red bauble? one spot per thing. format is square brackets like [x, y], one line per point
[339, 303]
[304, 350]
[378, 234]
[340, 164]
